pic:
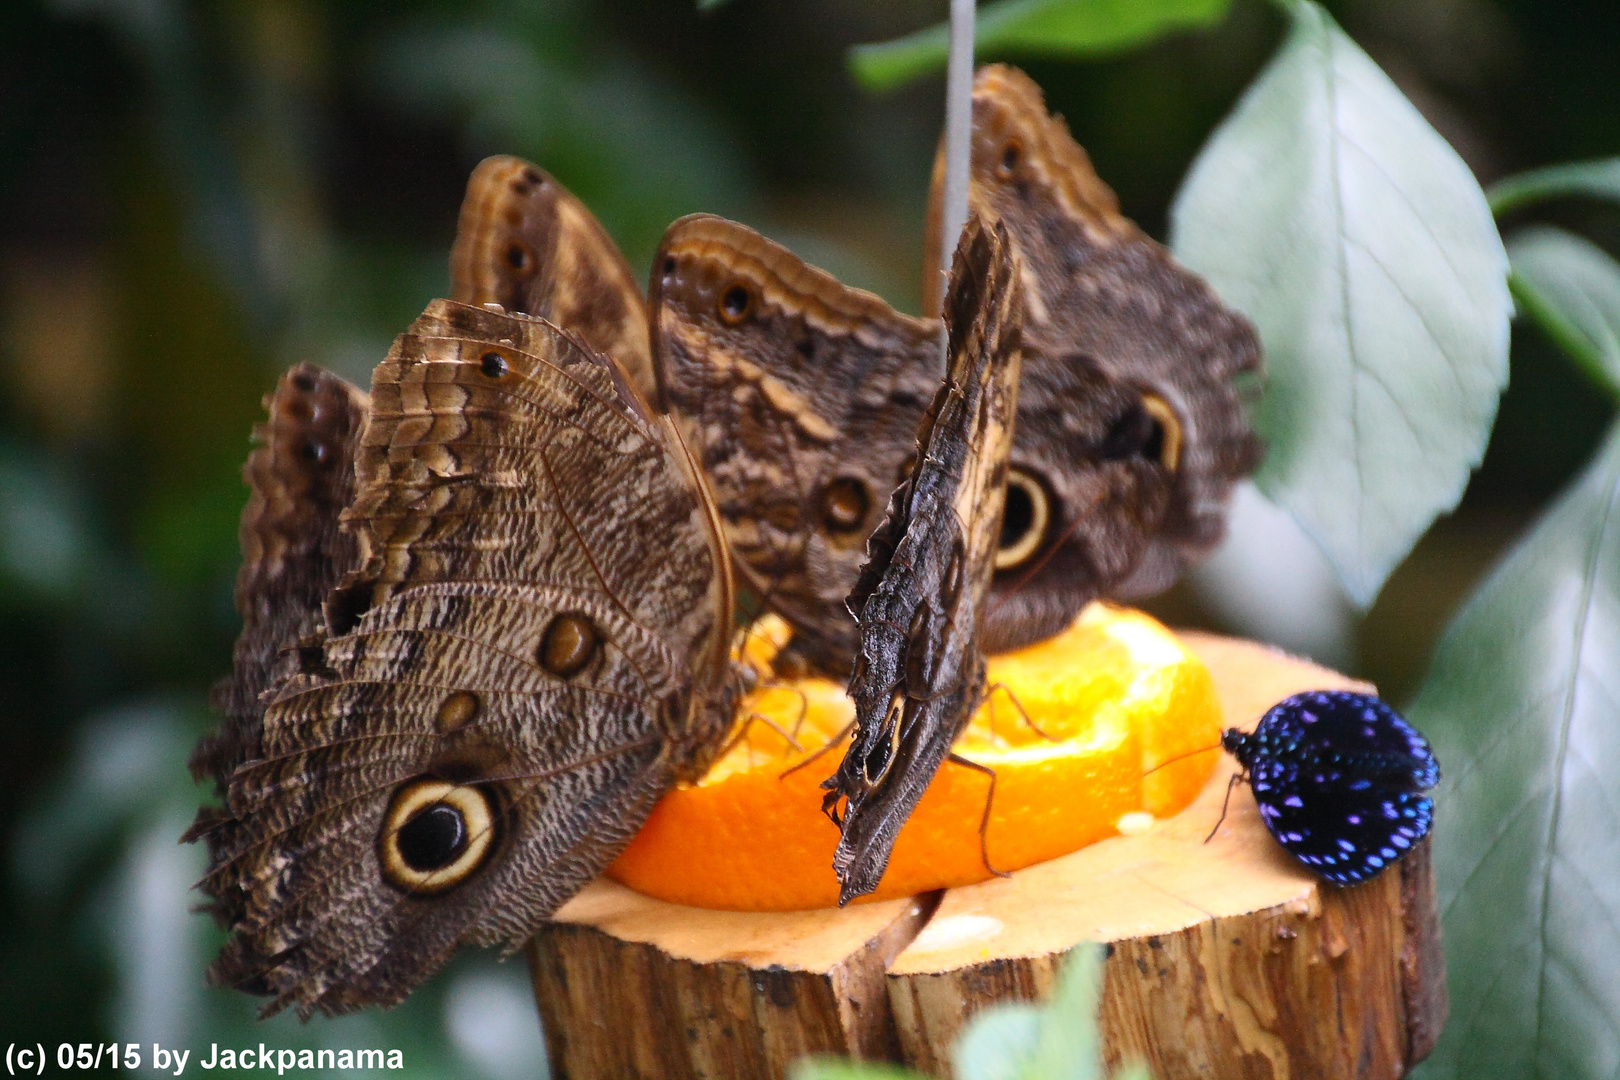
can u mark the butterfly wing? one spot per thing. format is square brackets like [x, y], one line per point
[919, 671]
[1339, 779]
[802, 397]
[506, 663]
[300, 476]
[1131, 423]
[527, 243]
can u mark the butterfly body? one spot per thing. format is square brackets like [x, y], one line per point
[462, 682]
[1340, 780]
[918, 602]
[801, 394]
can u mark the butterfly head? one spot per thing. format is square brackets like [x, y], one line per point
[1237, 744]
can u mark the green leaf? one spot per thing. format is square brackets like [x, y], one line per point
[1598, 179]
[46, 543]
[1523, 707]
[1069, 1048]
[999, 1044]
[1054, 27]
[1328, 210]
[1057, 1041]
[1570, 287]
[828, 1068]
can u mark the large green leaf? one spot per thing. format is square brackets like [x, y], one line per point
[1329, 211]
[1523, 707]
[1598, 179]
[1001, 1044]
[1062, 27]
[1571, 288]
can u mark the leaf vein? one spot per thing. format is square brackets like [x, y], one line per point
[1588, 590]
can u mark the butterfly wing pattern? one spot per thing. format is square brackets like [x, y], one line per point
[504, 683]
[527, 243]
[300, 476]
[919, 671]
[802, 396]
[1340, 780]
[1132, 423]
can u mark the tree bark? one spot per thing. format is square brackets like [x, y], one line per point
[1225, 959]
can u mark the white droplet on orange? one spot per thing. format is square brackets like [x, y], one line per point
[1134, 823]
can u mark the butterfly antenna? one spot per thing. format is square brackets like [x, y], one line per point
[804, 710]
[1181, 757]
[742, 734]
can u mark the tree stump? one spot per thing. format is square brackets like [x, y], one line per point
[1225, 959]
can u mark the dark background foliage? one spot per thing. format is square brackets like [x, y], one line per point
[193, 196]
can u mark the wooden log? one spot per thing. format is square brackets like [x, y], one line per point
[629, 986]
[1225, 959]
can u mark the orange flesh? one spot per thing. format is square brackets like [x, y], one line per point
[1113, 696]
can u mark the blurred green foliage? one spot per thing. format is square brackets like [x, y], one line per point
[1571, 288]
[1037, 27]
[1057, 1040]
[194, 195]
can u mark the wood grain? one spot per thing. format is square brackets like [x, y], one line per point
[629, 986]
[1225, 959]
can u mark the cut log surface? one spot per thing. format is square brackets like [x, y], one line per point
[1225, 959]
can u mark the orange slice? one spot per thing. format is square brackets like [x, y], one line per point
[1113, 696]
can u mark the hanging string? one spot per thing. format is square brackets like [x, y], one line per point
[958, 135]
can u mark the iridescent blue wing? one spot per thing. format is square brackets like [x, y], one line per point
[1359, 731]
[1345, 835]
[1339, 779]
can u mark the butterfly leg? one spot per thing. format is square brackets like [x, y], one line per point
[804, 708]
[1237, 778]
[832, 742]
[989, 801]
[742, 733]
[1012, 697]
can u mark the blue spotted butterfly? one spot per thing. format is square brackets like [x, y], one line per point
[1339, 779]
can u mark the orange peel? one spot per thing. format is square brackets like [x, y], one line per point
[1108, 702]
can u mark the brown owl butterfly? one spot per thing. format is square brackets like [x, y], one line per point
[1131, 423]
[526, 243]
[802, 397]
[801, 394]
[301, 476]
[503, 683]
[920, 598]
